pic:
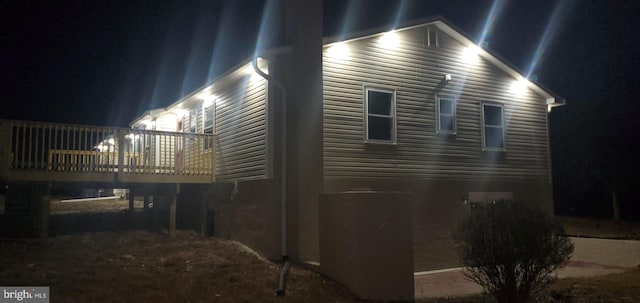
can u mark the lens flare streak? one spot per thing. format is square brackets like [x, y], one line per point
[559, 14]
[494, 13]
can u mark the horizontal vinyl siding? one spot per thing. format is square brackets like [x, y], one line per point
[240, 123]
[415, 72]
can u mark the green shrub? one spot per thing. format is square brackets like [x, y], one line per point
[511, 250]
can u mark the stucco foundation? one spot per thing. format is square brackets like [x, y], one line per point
[248, 212]
[366, 243]
[438, 206]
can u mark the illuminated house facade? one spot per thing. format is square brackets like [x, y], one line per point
[420, 109]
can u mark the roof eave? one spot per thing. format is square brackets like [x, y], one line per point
[450, 29]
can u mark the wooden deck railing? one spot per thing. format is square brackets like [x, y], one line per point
[37, 150]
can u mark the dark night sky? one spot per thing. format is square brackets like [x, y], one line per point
[105, 62]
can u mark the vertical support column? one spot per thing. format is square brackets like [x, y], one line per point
[43, 210]
[27, 209]
[120, 143]
[203, 213]
[155, 213]
[131, 214]
[304, 134]
[172, 212]
[131, 200]
[5, 147]
[145, 212]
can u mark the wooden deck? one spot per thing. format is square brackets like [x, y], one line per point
[51, 152]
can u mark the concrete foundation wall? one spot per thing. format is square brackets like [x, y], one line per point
[366, 243]
[439, 206]
[249, 213]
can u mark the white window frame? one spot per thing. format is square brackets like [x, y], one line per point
[212, 128]
[453, 115]
[392, 115]
[485, 126]
[193, 120]
[204, 119]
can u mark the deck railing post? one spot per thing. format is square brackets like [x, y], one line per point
[214, 148]
[120, 151]
[5, 147]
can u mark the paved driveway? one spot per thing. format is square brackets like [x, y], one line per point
[591, 257]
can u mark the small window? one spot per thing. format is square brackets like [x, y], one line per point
[493, 127]
[446, 115]
[380, 111]
[208, 125]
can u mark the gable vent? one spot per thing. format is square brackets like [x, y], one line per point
[432, 38]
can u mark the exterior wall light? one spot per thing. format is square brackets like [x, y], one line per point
[179, 111]
[447, 77]
[208, 101]
[338, 51]
[249, 70]
[519, 87]
[204, 94]
[470, 54]
[389, 40]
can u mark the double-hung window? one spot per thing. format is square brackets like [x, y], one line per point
[493, 126]
[446, 115]
[380, 121]
[193, 120]
[208, 125]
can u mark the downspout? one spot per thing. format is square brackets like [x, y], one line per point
[283, 177]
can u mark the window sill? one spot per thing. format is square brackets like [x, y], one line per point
[378, 145]
[376, 142]
[494, 150]
[446, 134]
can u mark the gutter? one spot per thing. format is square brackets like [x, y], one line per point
[283, 176]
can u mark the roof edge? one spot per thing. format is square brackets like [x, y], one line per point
[459, 35]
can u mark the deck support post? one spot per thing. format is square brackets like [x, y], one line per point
[172, 212]
[155, 213]
[5, 147]
[131, 200]
[27, 209]
[203, 212]
[43, 211]
[145, 210]
[120, 144]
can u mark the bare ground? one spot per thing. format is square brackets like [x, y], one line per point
[140, 266]
[600, 228]
[613, 288]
